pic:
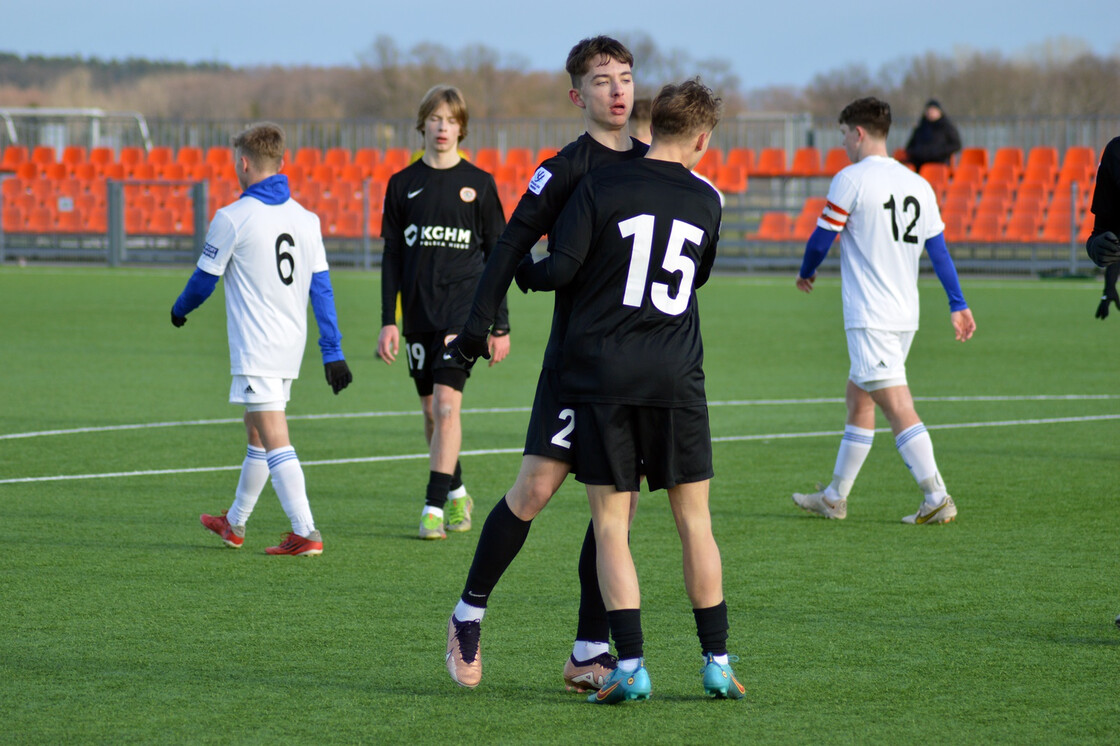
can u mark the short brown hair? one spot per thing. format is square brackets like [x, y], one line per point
[640, 114]
[444, 94]
[262, 144]
[685, 109]
[870, 113]
[595, 51]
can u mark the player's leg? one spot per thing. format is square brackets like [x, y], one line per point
[543, 469]
[268, 420]
[892, 394]
[502, 536]
[230, 525]
[859, 432]
[916, 449]
[449, 378]
[610, 511]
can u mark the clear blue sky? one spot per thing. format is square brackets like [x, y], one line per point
[773, 43]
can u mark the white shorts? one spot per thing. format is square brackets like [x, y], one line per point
[878, 357]
[260, 394]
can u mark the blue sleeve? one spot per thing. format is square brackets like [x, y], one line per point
[946, 271]
[199, 287]
[816, 249]
[322, 303]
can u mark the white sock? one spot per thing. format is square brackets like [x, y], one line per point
[455, 494]
[437, 512]
[629, 665]
[464, 612]
[723, 660]
[854, 447]
[254, 475]
[916, 449]
[287, 480]
[585, 650]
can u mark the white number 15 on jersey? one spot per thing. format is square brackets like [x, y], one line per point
[641, 228]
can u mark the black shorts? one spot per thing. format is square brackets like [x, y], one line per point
[618, 443]
[430, 363]
[551, 424]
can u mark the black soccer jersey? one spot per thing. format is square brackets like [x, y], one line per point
[549, 189]
[645, 234]
[439, 226]
[1106, 194]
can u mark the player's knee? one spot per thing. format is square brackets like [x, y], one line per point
[528, 498]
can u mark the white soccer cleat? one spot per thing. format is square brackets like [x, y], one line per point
[818, 502]
[943, 512]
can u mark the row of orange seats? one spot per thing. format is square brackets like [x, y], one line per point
[1056, 225]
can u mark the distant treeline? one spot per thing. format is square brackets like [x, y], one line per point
[1059, 78]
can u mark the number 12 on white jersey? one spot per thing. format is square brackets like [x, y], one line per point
[641, 228]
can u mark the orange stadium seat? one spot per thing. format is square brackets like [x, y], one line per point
[13, 156]
[806, 162]
[835, 160]
[771, 162]
[189, 156]
[397, 158]
[218, 156]
[28, 170]
[1004, 173]
[308, 157]
[488, 159]
[971, 172]
[12, 219]
[40, 220]
[43, 155]
[774, 226]
[974, 156]
[520, 157]
[1041, 155]
[367, 158]
[56, 171]
[710, 163]
[72, 155]
[986, 227]
[102, 156]
[160, 156]
[336, 158]
[732, 179]
[1058, 226]
[1080, 155]
[956, 226]
[131, 157]
[806, 220]
[1011, 157]
[1023, 227]
[740, 157]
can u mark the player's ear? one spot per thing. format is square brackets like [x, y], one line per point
[575, 97]
[702, 140]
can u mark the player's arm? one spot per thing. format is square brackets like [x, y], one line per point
[568, 245]
[816, 249]
[534, 215]
[708, 260]
[494, 222]
[392, 269]
[199, 287]
[963, 323]
[330, 338]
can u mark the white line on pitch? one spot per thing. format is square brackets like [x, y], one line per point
[514, 410]
[496, 451]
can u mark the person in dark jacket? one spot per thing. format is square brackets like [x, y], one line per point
[935, 139]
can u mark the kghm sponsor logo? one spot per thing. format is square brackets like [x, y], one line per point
[446, 236]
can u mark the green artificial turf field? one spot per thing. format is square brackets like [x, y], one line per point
[123, 620]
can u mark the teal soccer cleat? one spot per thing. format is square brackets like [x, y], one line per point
[621, 686]
[720, 681]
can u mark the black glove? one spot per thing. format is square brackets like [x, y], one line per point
[1110, 294]
[522, 269]
[338, 375]
[468, 348]
[1103, 248]
[177, 320]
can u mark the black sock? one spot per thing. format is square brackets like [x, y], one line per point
[456, 477]
[438, 487]
[626, 629]
[711, 628]
[502, 537]
[592, 625]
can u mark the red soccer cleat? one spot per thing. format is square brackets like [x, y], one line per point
[299, 546]
[233, 536]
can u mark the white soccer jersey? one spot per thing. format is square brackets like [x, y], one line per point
[267, 254]
[884, 213]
